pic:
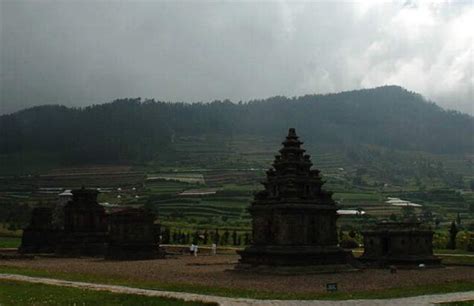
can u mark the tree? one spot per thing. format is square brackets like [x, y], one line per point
[217, 238]
[225, 238]
[426, 214]
[196, 237]
[234, 237]
[453, 231]
[166, 236]
[247, 239]
[408, 212]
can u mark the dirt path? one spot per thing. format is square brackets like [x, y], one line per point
[419, 300]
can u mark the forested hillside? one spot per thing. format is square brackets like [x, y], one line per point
[132, 130]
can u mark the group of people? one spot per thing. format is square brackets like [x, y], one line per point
[193, 249]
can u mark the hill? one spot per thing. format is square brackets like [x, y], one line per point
[136, 131]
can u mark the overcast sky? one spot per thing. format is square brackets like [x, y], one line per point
[87, 52]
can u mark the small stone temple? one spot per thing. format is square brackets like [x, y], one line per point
[85, 226]
[133, 235]
[293, 218]
[404, 243]
[39, 236]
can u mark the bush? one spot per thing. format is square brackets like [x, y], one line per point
[440, 240]
[463, 240]
[470, 245]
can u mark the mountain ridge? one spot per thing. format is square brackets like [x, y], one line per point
[132, 129]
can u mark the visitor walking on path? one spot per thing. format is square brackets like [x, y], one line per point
[191, 249]
[195, 250]
[214, 249]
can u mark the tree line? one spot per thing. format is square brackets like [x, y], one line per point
[136, 130]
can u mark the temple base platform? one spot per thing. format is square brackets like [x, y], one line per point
[295, 259]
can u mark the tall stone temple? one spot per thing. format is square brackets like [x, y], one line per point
[294, 219]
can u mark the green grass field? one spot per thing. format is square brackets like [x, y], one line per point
[460, 303]
[9, 242]
[22, 293]
[456, 286]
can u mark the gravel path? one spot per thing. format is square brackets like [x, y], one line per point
[419, 300]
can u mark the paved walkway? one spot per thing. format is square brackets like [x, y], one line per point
[224, 301]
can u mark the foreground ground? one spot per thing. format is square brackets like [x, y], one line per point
[27, 293]
[33, 290]
[211, 275]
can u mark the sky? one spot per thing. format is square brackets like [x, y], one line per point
[79, 53]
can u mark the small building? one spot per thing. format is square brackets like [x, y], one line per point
[132, 235]
[39, 236]
[403, 243]
[85, 226]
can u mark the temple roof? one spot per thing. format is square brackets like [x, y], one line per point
[292, 177]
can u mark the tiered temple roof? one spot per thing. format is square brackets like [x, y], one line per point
[291, 177]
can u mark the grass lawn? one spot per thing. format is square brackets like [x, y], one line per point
[22, 293]
[460, 303]
[10, 242]
[457, 260]
[448, 251]
[455, 286]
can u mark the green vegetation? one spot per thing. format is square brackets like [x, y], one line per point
[456, 286]
[141, 132]
[22, 293]
[459, 303]
[364, 143]
[457, 260]
[9, 242]
[225, 199]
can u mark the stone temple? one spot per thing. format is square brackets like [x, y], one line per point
[401, 243]
[133, 235]
[85, 226]
[85, 229]
[294, 219]
[39, 236]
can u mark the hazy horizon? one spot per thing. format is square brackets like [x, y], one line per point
[92, 52]
[143, 99]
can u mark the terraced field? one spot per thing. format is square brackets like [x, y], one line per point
[211, 180]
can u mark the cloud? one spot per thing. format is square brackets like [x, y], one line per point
[85, 52]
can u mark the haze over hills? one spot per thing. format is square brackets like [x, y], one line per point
[132, 130]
